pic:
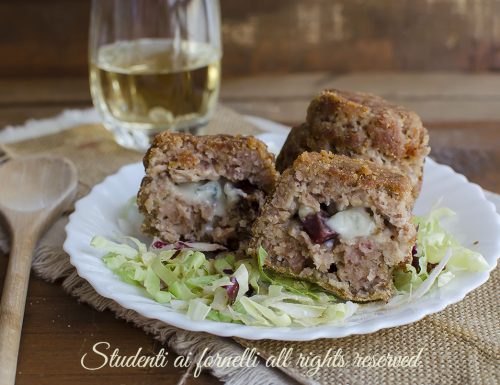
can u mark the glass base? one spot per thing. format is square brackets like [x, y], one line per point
[138, 136]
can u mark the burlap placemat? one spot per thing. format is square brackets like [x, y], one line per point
[460, 345]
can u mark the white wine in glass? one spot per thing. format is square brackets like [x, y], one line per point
[144, 85]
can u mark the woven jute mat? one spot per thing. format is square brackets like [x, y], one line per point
[460, 345]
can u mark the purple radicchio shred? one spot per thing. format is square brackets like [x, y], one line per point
[159, 244]
[315, 226]
[232, 290]
[416, 265]
[228, 271]
[414, 259]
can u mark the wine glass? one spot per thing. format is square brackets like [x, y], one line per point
[154, 66]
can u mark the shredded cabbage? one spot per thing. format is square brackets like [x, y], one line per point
[223, 288]
[226, 289]
[434, 246]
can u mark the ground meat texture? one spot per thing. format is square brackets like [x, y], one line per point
[357, 263]
[362, 126]
[204, 188]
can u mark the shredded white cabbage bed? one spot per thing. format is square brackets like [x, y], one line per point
[222, 288]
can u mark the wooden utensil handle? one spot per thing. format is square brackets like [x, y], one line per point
[12, 306]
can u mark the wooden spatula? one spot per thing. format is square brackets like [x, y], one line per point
[34, 192]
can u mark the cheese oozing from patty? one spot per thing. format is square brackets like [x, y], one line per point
[351, 223]
[219, 194]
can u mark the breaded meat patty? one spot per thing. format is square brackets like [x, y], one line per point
[363, 126]
[204, 188]
[339, 222]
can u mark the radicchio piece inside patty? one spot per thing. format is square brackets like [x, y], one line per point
[316, 228]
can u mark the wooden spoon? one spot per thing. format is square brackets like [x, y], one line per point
[34, 191]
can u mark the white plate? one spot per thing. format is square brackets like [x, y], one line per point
[97, 214]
